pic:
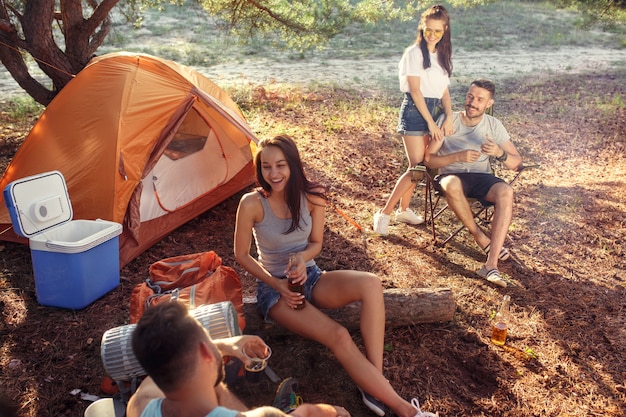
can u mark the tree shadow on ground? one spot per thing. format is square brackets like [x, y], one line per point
[557, 305]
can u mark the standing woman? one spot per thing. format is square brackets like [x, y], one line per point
[424, 73]
[286, 216]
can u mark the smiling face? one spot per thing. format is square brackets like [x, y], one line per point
[433, 32]
[274, 168]
[477, 100]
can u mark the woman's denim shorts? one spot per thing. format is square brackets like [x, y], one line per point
[410, 121]
[267, 297]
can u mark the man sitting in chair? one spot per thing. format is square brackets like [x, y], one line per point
[465, 172]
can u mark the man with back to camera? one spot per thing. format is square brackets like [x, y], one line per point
[463, 160]
[185, 370]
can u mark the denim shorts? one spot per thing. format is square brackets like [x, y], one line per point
[475, 185]
[411, 122]
[267, 297]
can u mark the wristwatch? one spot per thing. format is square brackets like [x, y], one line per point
[502, 157]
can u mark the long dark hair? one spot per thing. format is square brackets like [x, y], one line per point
[297, 183]
[444, 46]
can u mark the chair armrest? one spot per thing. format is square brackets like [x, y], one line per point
[523, 167]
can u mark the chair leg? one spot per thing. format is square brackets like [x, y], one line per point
[428, 206]
[487, 212]
[452, 236]
[431, 213]
[460, 228]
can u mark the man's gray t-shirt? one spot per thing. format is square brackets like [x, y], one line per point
[466, 137]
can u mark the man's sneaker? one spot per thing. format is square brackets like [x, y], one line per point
[492, 275]
[381, 222]
[286, 398]
[408, 216]
[374, 404]
[419, 412]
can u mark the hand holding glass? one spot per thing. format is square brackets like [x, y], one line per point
[256, 357]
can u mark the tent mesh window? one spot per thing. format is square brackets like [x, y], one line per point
[190, 137]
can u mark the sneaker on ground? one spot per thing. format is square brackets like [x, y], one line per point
[373, 403]
[381, 222]
[419, 412]
[286, 398]
[408, 216]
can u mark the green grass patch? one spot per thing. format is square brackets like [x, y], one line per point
[497, 26]
[274, 109]
[610, 105]
[22, 107]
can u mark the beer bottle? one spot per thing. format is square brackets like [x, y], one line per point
[501, 324]
[293, 287]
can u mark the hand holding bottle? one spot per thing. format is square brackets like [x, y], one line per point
[294, 277]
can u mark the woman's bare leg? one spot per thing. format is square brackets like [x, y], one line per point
[336, 289]
[403, 190]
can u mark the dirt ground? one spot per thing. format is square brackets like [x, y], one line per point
[565, 351]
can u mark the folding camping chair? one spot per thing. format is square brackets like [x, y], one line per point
[482, 213]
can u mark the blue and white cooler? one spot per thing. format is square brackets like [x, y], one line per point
[75, 262]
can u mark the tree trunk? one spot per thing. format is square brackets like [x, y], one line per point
[402, 307]
[33, 34]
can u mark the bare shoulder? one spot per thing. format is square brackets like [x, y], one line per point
[251, 197]
[315, 199]
[146, 392]
[251, 201]
[250, 207]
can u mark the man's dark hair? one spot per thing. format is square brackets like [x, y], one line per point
[165, 343]
[486, 84]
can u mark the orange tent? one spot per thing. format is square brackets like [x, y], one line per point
[141, 141]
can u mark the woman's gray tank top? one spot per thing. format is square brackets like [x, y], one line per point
[273, 246]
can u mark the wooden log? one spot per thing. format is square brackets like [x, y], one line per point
[402, 307]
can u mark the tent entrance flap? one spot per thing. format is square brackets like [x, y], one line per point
[194, 163]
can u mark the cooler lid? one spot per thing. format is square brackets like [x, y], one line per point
[38, 203]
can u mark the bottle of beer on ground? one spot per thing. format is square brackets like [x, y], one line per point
[501, 324]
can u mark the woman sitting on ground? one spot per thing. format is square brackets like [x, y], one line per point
[286, 216]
